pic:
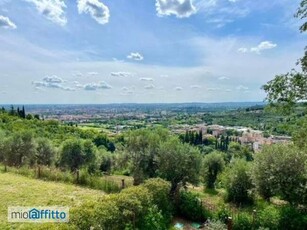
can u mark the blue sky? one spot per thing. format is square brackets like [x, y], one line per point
[106, 51]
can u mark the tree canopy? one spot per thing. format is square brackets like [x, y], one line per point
[285, 90]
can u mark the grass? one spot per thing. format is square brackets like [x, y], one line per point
[106, 184]
[17, 190]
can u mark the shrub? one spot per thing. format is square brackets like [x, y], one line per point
[215, 225]
[222, 214]
[243, 221]
[133, 208]
[160, 190]
[281, 170]
[292, 218]
[190, 206]
[268, 218]
[238, 182]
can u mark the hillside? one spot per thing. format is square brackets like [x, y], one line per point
[22, 191]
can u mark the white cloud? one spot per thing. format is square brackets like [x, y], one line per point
[150, 86]
[53, 10]
[265, 45]
[53, 79]
[223, 78]
[135, 56]
[178, 88]
[98, 11]
[146, 79]
[179, 8]
[54, 82]
[6, 23]
[121, 74]
[95, 86]
[242, 50]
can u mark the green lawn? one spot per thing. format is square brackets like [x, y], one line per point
[16, 190]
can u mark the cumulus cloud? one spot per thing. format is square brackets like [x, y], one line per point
[98, 11]
[121, 74]
[77, 84]
[146, 79]
[54, 82]
[135, 56]
[53, 79]
[6, 23]
[95, 86]
[178, 88]
[265, 45]
[53, 10]
[179, 8]
[150, 86]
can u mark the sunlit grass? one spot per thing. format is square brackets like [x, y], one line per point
[18, 190]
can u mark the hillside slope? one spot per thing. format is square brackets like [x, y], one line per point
[18, 190]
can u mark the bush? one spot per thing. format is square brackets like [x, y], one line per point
[160, 190]
[190, 206]
[292, 218]
[97, 182]
[222, 214]
[215, 225]
[238, 182]
[243, 221]
[268, 218]
[133, 208]
[281, 170]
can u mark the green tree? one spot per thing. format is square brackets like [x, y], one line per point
[281, 170]
[45, 152]
[238, 183]
[142, 147]
[285, 90]
[19, 148]
[178, 163]
[75, 153]
[213, 164]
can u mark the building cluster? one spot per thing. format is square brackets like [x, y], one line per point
[246, 136]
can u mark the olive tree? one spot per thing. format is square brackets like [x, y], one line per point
[238, 183]
[178, 163]
[281, 170]
[142, 148]
[213, 164]
[45, 152]
[76, 153]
